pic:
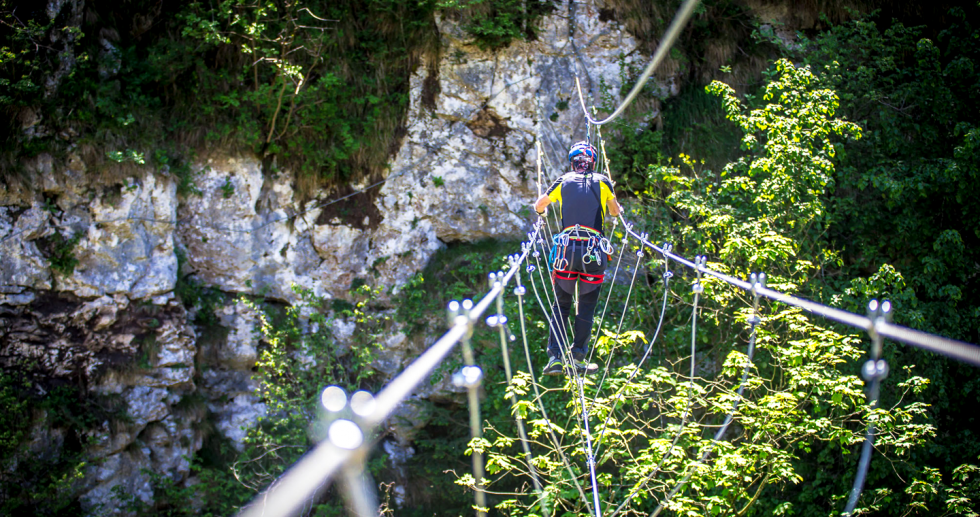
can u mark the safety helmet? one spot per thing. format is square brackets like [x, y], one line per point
[583, 156]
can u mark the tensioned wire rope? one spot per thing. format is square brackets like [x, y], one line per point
[958, 350]
[561, 333]
[312, 472]
[666, 276]
[757, 281]
[951, 348]
[666, 285]
[546, 311]
[697, 289]
[673, 31]
[663, 310]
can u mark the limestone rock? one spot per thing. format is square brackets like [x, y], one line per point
[238, 351]
[23, 266]
[127, 244]
[233, 402]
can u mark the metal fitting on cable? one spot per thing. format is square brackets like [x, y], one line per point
[452, 311]
[665, 251]
[757, 282]
[699, 262]
[343, 429]
[496, 320]
[468, 377]
[876, 368]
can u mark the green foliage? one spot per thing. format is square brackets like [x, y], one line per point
[453, 273]
[694, 123]
[493, 24]
[319, 89]
[169, 498]
[13, 425]
[297, 359]
[802, 398]
[905, 223]
[227, 189]
[43, 478]
[62, 253]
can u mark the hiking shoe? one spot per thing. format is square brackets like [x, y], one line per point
[554, 366]
[583, 367]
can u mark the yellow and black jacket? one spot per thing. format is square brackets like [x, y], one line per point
[582, 199]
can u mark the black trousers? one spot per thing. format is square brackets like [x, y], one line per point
[588, 297]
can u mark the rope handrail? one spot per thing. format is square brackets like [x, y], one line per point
[958, 350]
[311, 473]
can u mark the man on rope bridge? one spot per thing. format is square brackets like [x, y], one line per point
[579, 253]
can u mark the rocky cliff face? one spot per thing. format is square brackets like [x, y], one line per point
[110, 323]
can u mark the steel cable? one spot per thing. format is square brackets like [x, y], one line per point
[754, 322]
[958, 350]
[697, 289]
[673, 31]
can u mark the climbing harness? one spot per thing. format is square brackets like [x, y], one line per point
[575, 248]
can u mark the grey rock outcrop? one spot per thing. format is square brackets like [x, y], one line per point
[465, 171]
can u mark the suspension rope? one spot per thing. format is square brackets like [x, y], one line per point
[605, 304]
[560, 451]
[569, 363]
[287, 494]
[874, 371]
[663, 310]
[697, 289]
[757, 283]
[500, 321]
[680, 19]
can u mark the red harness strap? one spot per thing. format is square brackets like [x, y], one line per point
[576, 275]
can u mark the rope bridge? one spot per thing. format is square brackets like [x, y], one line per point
[355, 423]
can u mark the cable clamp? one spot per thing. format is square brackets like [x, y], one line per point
[496, 320]
[875, 370]
[878, 313]
[468, 377]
